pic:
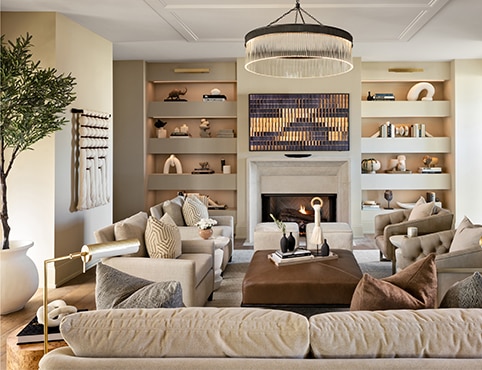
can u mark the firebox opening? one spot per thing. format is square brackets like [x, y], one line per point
[297, 208]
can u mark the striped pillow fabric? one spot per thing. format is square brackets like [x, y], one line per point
[163, 239]
[193, 211]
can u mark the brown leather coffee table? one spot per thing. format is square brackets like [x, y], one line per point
[320, 283]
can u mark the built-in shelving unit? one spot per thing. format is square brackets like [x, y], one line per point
[195, 81]
[435, 115]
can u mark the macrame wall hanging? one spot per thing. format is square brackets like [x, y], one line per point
[92, 141]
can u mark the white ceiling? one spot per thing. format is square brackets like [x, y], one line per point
[191, 30]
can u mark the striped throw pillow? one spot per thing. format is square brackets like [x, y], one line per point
[193, 211]
[163, 239]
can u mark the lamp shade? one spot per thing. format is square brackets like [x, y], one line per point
[109, 249]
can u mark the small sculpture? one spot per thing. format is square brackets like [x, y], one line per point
[205, 128]
[173, 161]
[416, 89]
[388, 195]
[429, 161]
[370, 165]
[402, 163]
[161, 131]
[175, 95]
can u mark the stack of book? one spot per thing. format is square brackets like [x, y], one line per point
[225, 133]
[210, 97]
[430, 169]
[370, 205]
[34, 333]
[291, 258]
[384, 96]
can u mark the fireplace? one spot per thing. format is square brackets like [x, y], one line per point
[297, 208]
[279, 175]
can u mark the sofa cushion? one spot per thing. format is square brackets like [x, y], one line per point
[412, 288]
[163, 239]
[467, 236]
[421, 209]
[173, 207]
[116, 289]
[464, 294]
[188, 332]
[133, 228]
[193, 211]
[396, 334]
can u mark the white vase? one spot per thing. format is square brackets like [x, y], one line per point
[18, 276]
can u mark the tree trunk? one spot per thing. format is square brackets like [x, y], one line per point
[4, 214]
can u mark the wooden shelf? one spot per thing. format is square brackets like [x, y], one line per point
[191, 182]
[414, 181]
[195, 109]
[192, 146]
[392, 109]
[406, 145]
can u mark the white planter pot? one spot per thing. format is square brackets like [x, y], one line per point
[18, 276]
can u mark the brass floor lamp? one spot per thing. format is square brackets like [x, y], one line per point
[87, 253]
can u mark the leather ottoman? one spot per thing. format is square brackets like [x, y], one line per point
[320, 283]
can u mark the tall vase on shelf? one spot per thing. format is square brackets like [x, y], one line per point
[283, 243]
[325, 249]
[291, 242]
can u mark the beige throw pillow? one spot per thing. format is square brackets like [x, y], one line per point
[421, 210]
[467, 236]
[193, 211]
[163, 239]
[133, 228]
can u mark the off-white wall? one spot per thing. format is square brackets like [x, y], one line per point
[467, 80]
[40, 186]
[348, 83]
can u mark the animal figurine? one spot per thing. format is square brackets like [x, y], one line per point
[176, 95]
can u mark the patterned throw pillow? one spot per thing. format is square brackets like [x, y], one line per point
[464, 294]
[193, 211]
[415, 287]
[116, 289]
[163, 239]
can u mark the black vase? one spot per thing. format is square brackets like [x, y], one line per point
[325, 249]
[291, 242]
[283, 243]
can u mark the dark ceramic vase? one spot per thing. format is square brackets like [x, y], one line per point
[291, 242]
[325, 249]
[283, 243]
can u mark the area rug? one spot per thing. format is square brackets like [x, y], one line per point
[229, 293]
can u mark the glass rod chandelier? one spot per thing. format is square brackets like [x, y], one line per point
[298, 50]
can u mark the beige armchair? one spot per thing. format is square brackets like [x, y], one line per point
[194, 269]
[451, 266]
[397, 222]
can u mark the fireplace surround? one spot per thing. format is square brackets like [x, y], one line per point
[282, 175]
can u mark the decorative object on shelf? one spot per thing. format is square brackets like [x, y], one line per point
[402, 163]
[369, 96]
[177, 133]
[214, 96]
[291, 242]
[172, 161]
[175, 95]
[284, 240]
[317, 233]
[370, 165]
[205, 128]
[298, 50]
[325, 249]
[429, 161]
[418, 130]
[56, 311]
[205, 226]
[184, 129]
[203, 170]
[161, 131]
[384, 96]
[416, 89]
[388, 195]
[299, 122]
[87, 253]
[226, 169]
[430, 197]
[398, 165]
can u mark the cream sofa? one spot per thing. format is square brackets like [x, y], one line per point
[194, 269]
[252, 338]
[224, 227]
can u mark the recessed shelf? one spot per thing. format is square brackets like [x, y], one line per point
[191, 182]
[387, 109]
[414, 181]
[406, 145]
[192, 146]
[194, 109]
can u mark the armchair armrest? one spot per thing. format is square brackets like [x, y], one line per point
[198, 246]
[383, 220]
[224, 220]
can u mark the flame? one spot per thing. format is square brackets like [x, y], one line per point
[302, 210]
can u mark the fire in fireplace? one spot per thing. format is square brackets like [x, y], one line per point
[297, 208]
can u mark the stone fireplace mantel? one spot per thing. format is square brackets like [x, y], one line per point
[282, 175]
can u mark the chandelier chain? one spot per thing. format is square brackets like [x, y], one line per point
[298, 13]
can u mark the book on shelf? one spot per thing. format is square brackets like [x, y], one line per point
[33, 332]
[384, 96]
[278, 261]
[371, 206]
[210, 97]
[430, 170]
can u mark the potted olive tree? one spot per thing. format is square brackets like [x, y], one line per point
[32, 101]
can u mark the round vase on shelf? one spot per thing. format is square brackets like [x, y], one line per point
[325, 249]
[283, 244]
[18, 276]
[291, 242]
[206, 233]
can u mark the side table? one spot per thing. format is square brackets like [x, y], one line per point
[26, 356]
